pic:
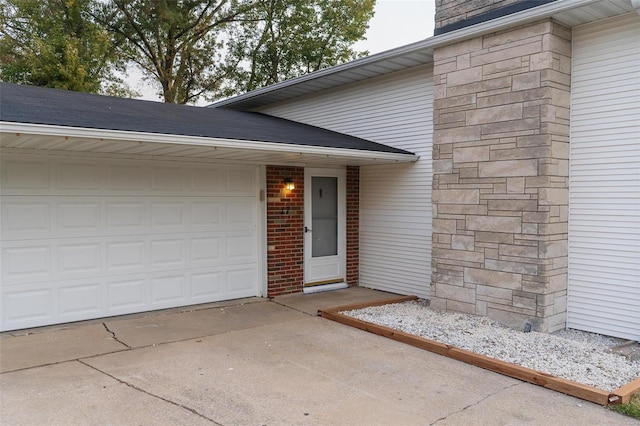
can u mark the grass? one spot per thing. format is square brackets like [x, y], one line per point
[632, 409]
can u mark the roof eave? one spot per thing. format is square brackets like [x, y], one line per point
[195, 141]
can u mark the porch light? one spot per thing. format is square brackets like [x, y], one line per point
[288, 184]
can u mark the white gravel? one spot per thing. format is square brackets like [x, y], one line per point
[574, 355]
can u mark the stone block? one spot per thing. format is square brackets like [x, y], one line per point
[508, 168]
[442, 166]
[469, 75]
[452, 117]
[494, 223]
[514, 205]
[549, 196]
[524, 302]
[455, 196]
[458, 255]
[555, 77]
[522, 33]
[454, 101]
[471, 154]
[439, 91]
[541, 61]
[509, 53]
[536, 152]
[457, 49]
[514, 267]
[450, 279]
[436, 303]
[444, 67]
[515, 185]
[494, 114]
[533, 141]
[518, 251]
[494, 237]
[494, 292]
[458, 134]
[469, 173]
[556, 44]
[511, 126]
[502, 66]
[462, 242]
[558, 283]
[560, 150]
[481, 308]
[444, 226]
[460, 294]
[550, 249]
[465, 209]
[465, 308]
[463, 61]
[530, 228]
[529, 80]
[493, 278]
[560, 304]
[510, 319]
[491, 84]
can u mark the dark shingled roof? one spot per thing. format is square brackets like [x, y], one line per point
[37, 105]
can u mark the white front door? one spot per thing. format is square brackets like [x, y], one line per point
[325, 226]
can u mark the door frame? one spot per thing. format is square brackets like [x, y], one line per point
[341, 174]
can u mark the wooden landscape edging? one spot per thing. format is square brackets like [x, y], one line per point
[589, 393]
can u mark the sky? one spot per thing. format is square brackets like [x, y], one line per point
[395, 23]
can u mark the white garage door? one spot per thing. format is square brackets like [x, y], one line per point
[87, 238]
[604, 219]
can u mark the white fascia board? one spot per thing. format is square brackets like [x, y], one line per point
[160, 138]
[540, 12]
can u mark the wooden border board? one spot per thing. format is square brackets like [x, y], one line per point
[588, 393]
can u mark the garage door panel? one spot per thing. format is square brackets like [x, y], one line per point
[140, 241]
[24, 174]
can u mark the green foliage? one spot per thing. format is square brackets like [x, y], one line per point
[189, 48]
[55, 43]
[218, 48]
[174, 42]
[286, 39]
[632, 409]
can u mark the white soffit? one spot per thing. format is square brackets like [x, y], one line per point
[69, 139]
[568, 12]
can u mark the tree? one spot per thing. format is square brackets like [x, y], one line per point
[287, 39]
[217, 48]
[55, 43]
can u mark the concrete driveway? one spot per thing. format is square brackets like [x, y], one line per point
[258, 362]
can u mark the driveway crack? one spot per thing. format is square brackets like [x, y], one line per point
[113, 336]
[475, 403]
[184, 407]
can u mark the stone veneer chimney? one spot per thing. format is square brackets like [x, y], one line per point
[452, 14]
[500, 185]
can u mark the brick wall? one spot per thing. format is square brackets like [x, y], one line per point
[353, 225]
[285, 231]
[501, 147]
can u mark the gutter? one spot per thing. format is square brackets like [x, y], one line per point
[544, 11]
[213, 143]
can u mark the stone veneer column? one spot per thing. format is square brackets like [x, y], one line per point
[500, 199]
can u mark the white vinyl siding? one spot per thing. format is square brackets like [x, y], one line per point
[604, 219]
[395, 200]
[86, 237]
